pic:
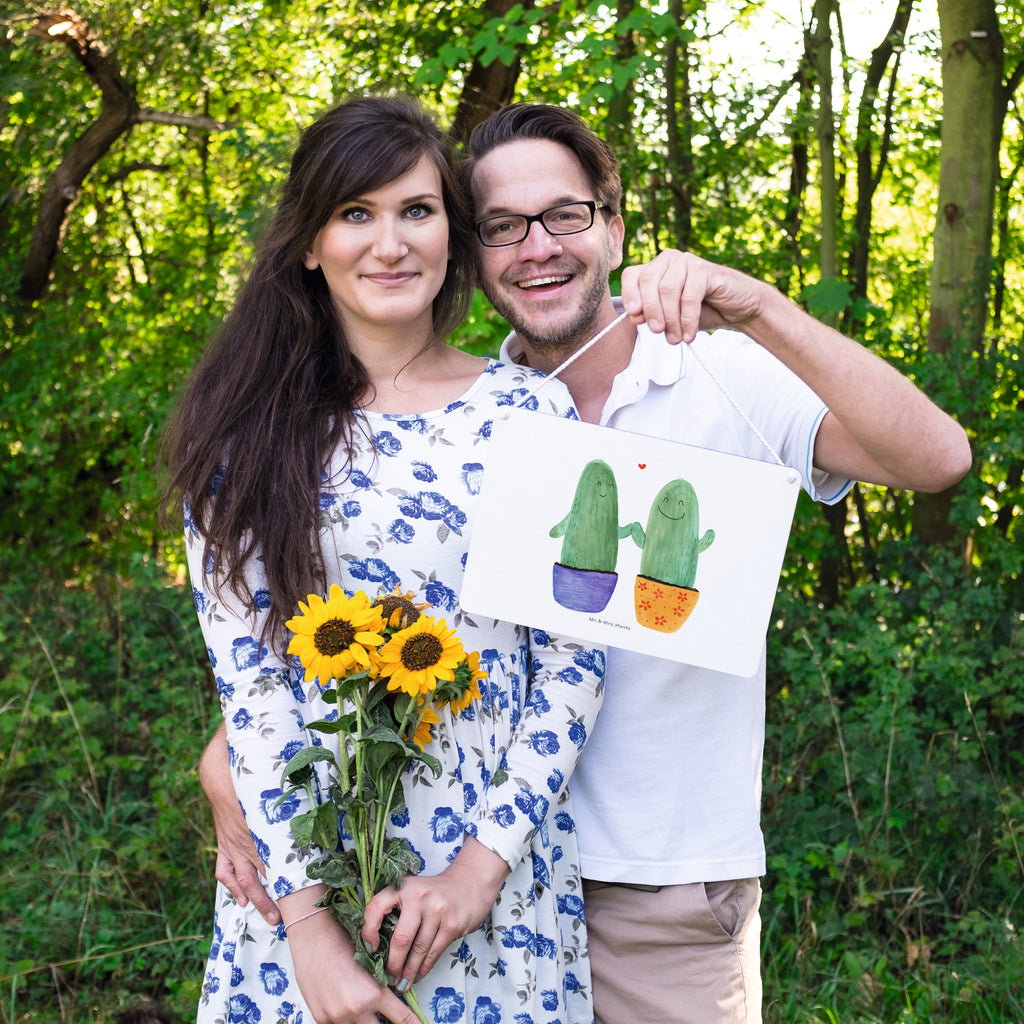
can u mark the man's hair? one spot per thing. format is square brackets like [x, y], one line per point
[521, 121]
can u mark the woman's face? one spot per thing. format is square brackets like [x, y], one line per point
[385, 254]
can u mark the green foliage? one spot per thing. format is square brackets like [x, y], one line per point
[107, 866]
[893, 783]
[893, 802]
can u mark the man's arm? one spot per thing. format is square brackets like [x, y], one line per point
[880, 428]
[238, 864]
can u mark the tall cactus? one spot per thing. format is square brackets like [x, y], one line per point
[590, 531]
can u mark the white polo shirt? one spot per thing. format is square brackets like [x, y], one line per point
[668, 789]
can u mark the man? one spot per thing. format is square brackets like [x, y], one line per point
[667, 792]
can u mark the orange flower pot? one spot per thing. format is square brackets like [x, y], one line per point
[662, 606]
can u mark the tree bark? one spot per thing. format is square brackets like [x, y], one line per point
[119, 112]
[487, 89]
[973, 106]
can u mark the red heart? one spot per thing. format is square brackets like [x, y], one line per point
[642, 465]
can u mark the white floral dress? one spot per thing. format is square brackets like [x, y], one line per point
[403, 515]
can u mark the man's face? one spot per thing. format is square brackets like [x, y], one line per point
[552, 289]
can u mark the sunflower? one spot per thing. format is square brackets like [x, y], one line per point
[399, 609]
[417, 657]
[423, 734]
[332, 636]
[472, 691]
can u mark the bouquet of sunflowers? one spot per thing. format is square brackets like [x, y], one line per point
[389, 669]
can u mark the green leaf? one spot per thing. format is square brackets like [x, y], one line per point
[299, 769]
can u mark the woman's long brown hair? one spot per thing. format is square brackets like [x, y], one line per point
[274, 395]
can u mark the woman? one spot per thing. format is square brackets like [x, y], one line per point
[329, 435]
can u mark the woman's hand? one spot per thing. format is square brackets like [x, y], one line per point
[435, 910]
[336, 989]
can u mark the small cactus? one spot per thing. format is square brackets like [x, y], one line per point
[672, 543]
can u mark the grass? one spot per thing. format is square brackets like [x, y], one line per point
[893, 810]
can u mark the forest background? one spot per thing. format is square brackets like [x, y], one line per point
[866, 158]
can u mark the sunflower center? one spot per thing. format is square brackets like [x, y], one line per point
[421, 651]
[391, 603]
[334, 636]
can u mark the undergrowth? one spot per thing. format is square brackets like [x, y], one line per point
[893, 799]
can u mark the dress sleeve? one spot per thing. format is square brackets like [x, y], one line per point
[564, 696]
[264, 705]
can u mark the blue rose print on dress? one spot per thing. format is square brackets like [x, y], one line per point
[424, 472]
[473, 476]
[386, 443]
[538, 702]
[446, 825]
[505, 816]
[415, 424]
[578, 734]
[549, 999]
[237, 977]
[448, 1006]
[282, 887]
[401, 531]
[357, 478]
[533, 805]
[545, 742]
[242, 1010]
[564, 822]
[555, 781]
[351, 508]
[327, 501]
[572, 905]
[274, 811]
[274, 978]
[541, 875]
[199, 599]
[246, 652]
[487, 1011]
[241, 718]
[519, 937]
[289, 750]
[262, 600]
[441, 596]
[374, 570]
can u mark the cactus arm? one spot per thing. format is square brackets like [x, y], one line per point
[629, 530]
[559, 528]
[705, 542]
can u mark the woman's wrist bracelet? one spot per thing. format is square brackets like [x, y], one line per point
[312, 913]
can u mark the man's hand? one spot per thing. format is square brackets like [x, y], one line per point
[435, 910]
[238, 864]
[678, 293]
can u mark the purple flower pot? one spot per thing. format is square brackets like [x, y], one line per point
[582, 590]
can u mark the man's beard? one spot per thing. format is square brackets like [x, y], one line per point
[569, 335]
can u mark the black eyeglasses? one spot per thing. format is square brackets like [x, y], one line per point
[564, 219]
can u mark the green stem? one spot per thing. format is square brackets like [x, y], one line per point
[414, 1004]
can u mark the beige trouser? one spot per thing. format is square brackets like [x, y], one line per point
[675, 954]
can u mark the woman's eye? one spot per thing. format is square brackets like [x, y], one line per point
[419, 211]
[354, 214]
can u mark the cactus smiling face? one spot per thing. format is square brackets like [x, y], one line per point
[591, 529]
[673, 543]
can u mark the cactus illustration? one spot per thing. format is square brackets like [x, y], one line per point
[672, 543]
[590, 531]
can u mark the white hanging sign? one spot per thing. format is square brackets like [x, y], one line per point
[629, 541]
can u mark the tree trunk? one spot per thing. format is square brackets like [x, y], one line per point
[487, 89]
[973, 104]
[679, 132]
[117, 115]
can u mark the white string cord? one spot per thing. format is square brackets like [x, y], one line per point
[693, 352]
